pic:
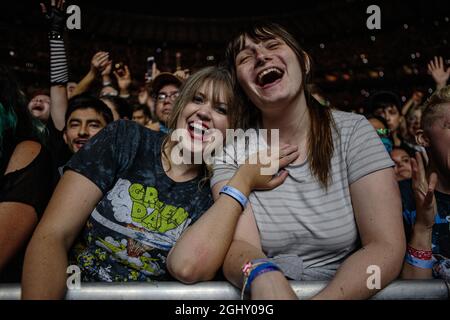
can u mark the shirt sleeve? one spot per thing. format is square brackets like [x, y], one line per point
[225, 165]
[365, 151]
[237, 151]
[107, 154]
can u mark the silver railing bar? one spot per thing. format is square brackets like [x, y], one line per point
[215, 290]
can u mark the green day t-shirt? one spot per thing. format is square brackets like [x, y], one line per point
[142, 213]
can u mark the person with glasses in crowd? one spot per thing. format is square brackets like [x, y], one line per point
[166, 87]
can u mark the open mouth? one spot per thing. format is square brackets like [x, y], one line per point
[198, 130]
[269, 76]
[79, 143]
[37, 108]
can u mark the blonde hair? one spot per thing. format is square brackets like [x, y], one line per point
[431, 110]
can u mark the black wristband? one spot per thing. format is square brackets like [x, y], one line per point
[55, 35]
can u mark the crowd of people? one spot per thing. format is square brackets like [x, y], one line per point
[88, 176]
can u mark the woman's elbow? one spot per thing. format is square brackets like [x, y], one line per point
[189, 271]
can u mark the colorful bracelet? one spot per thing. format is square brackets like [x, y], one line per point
[259, 270]
[247, 268]
[235, 194]
[420, 254]
[255, 268]
[419, 263]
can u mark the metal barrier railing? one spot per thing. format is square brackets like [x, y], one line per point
[397, 290]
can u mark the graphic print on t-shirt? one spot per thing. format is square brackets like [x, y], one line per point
[142, 212]
[142, 229]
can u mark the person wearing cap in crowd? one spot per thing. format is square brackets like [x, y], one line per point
[165, 87]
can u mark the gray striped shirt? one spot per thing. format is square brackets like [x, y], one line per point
[302, 220]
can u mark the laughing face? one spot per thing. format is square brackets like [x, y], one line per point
[269, 72]
[39, 107]
[202, 118]
[82, 125]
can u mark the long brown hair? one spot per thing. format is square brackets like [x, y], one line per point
[220, 78]
[320, 140]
